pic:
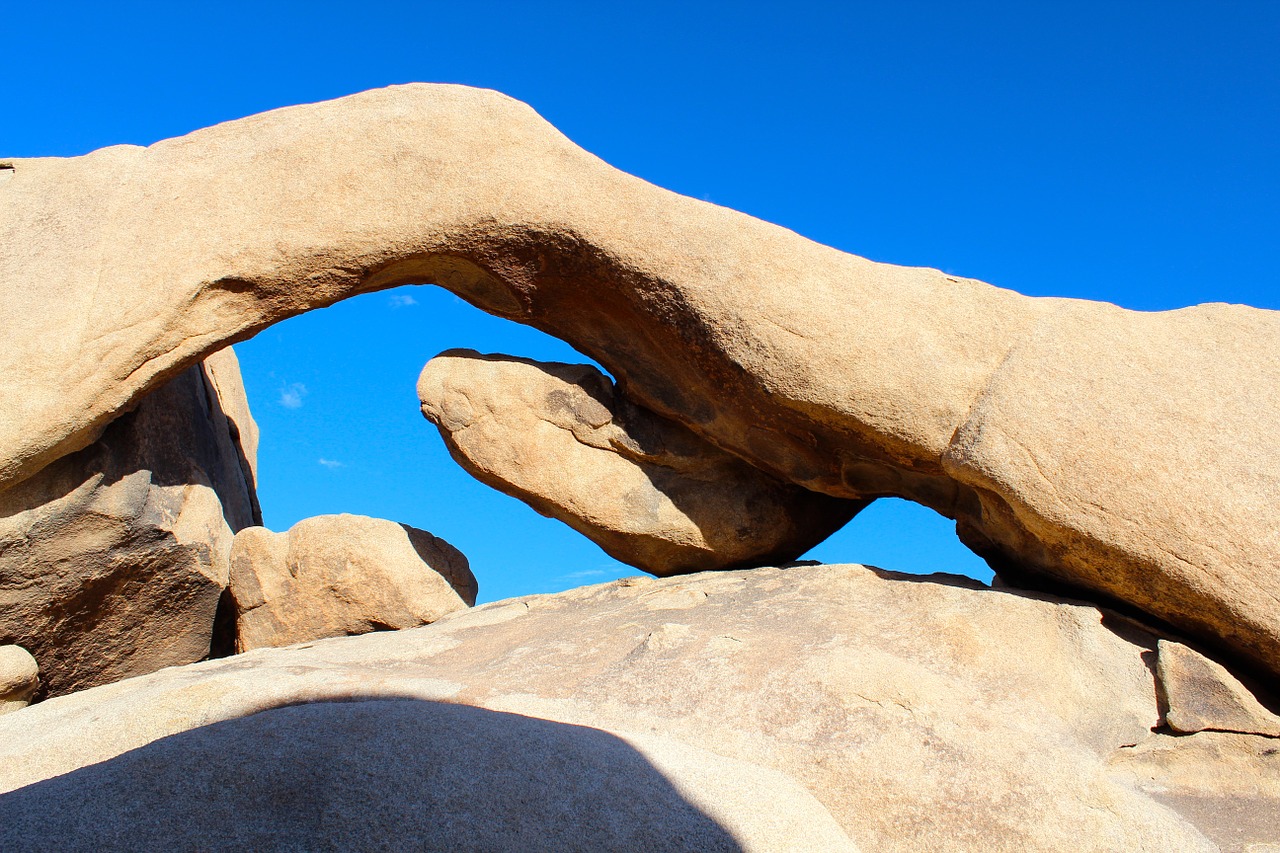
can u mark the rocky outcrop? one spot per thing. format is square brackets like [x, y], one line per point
[919, 713]
[112, 559]
[645, 489]
[1201, 695]
[19, 678]
[335, 575]
[1124, 454]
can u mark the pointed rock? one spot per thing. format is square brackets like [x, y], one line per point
[1201, 695]
[561, 438]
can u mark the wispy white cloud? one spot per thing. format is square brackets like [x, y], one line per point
[588, 573]
[291, 395]
[331, 463]
[402, 300]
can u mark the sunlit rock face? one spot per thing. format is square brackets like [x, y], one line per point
[646, 489]
[811, 708]
[336, 575]
[1127, 456]
[112, 559]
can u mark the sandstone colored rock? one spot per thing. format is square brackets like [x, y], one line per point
[642, 487]
[921, 713]
[1124, 454]
[1201, 695]
[334, 575]
[112, 559]
[432, 776]
[19, 678]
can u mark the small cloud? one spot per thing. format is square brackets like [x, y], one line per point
[402, 300]
[331, 463]
[588, 573]
[291, 395]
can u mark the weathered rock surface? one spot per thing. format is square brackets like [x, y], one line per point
[644, 488]
[335, 575]
[1125, 454]
[113, 558]
[431, 776]
[19, 678]
[922, 713]
[1201, 695]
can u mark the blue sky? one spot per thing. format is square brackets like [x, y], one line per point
[1116, 151]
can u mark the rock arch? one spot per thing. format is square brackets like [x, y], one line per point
[1126, 455]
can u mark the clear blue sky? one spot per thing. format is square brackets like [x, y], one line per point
[1120, 151]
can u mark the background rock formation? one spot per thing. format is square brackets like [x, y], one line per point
[19, 678]
[644, 488]
[1124, 454]
[113, 558]
[921, 713]
[334, 575]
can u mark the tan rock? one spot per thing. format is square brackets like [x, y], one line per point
[19, 678]
[1121, 453]
[642, 487]
[334, 575]
[112, 559]
[1201, 695]
[921, 713]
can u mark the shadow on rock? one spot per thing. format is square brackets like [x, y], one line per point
[366, 775]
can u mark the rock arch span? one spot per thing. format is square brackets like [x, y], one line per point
[1126, 455]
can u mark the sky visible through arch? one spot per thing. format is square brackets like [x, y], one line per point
[1117, 151]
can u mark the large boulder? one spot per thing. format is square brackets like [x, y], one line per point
[644, 488]
[1124, 454]
[918, 713]
[113, 558]
[335, 575]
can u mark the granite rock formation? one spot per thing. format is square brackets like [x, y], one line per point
[1125, 455]
[337, 575]
[19, 678]
[112, 559]
[644, 488]
[887, 712]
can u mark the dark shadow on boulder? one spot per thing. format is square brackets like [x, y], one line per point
[378, 774]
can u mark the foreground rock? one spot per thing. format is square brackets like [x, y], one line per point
[1125, 454]
[112, 559]
[645, 489]
[920, 713]
[337, 575]
[19, 678]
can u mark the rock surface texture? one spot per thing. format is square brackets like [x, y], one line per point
[19, 678]
[1125, 454]
[876, 711]
[1201, 695]
[644, 488]
[336, 575]
[112, 559]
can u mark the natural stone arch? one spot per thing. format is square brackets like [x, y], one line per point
[1124, 454]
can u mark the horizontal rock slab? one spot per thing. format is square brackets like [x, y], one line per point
[338, 575]
[112, 560]
[644, 488]
[1126, 455]
[921, 713]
